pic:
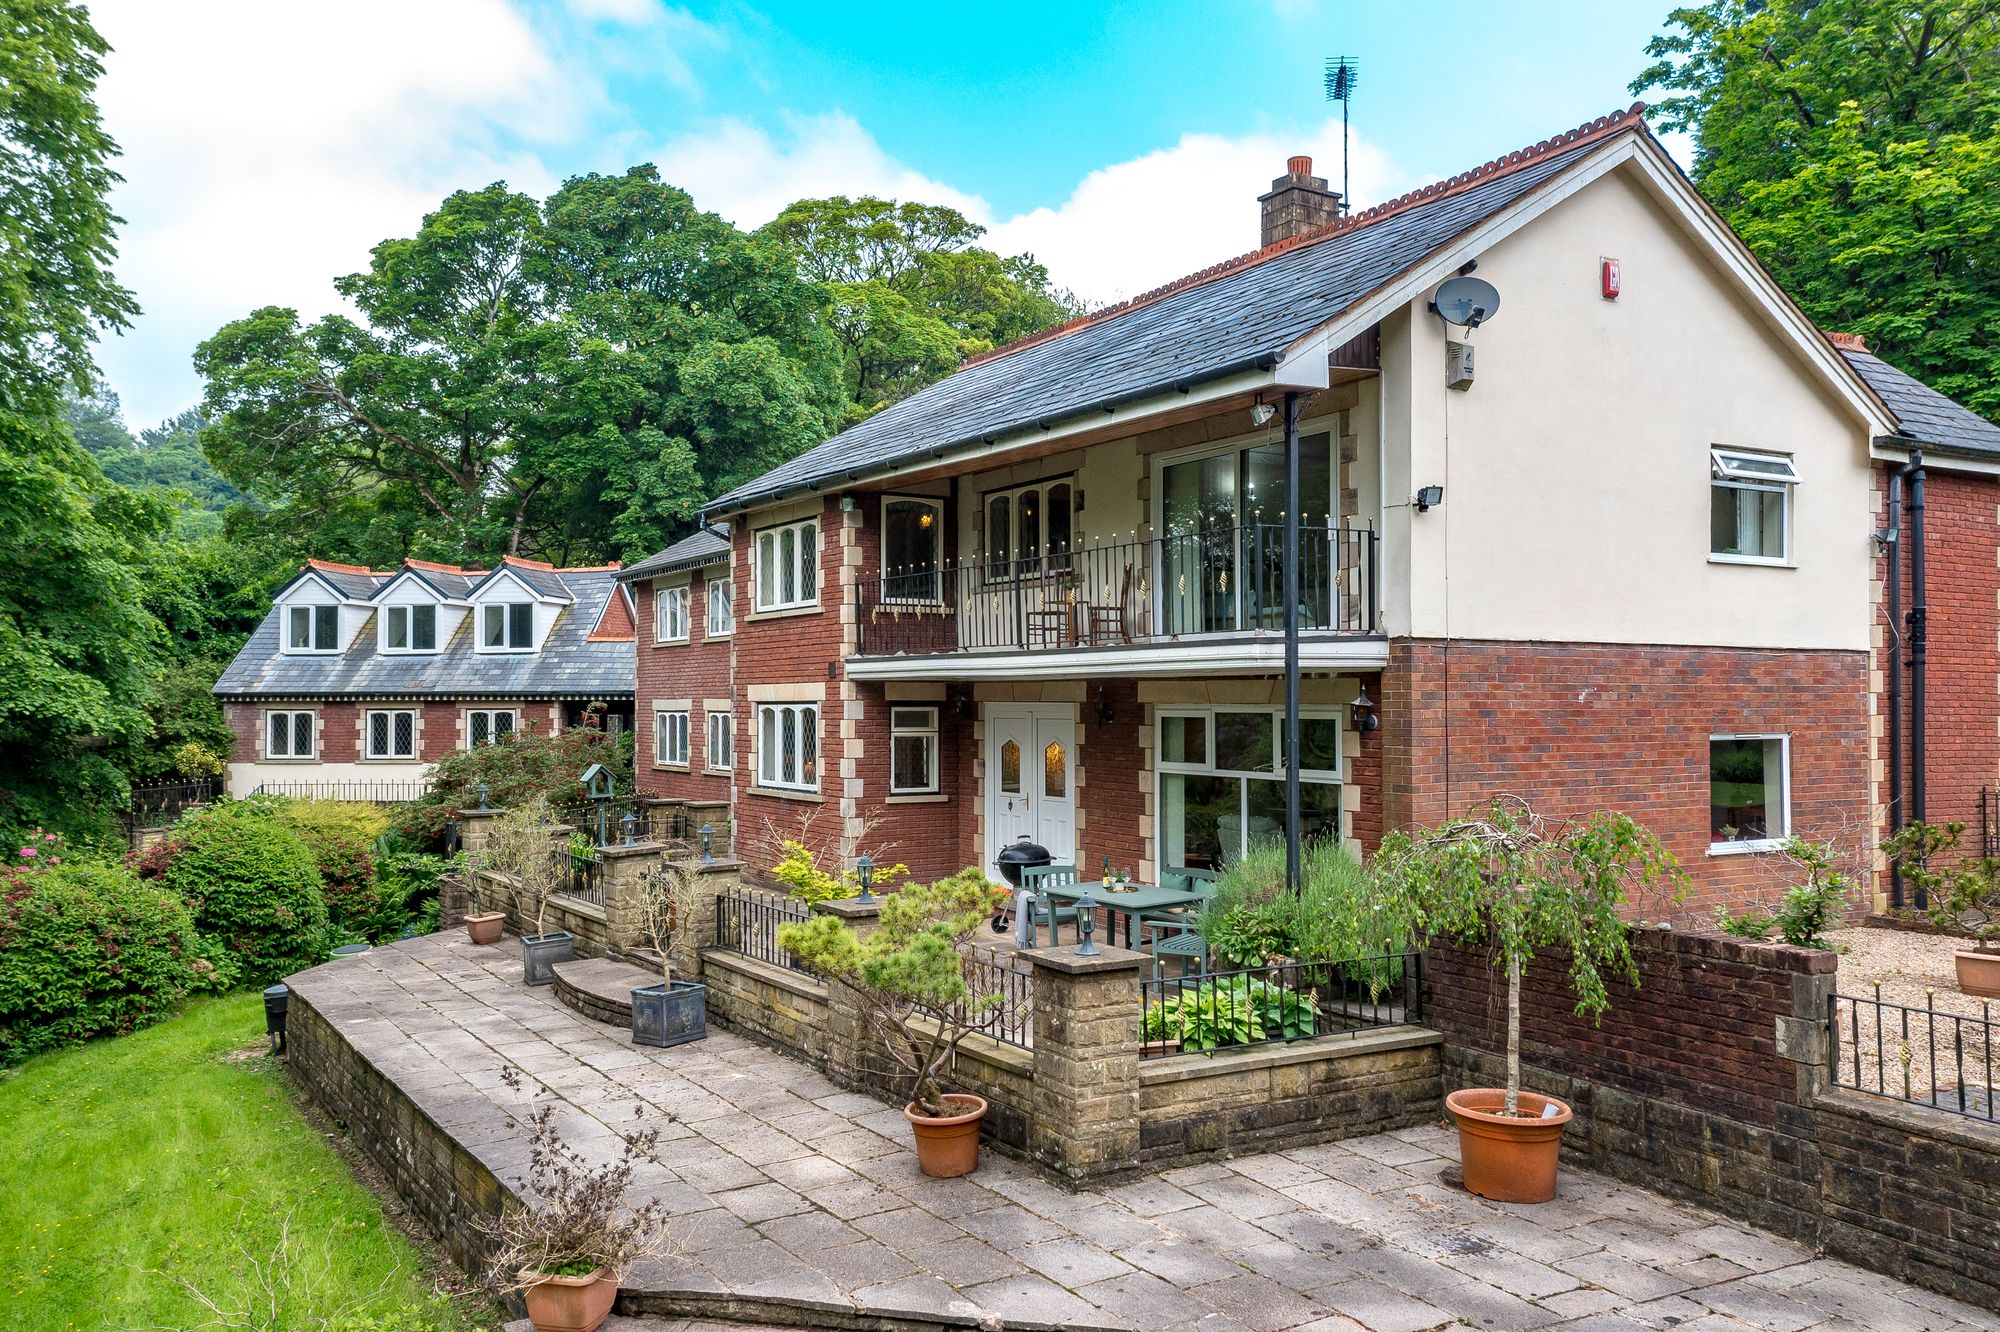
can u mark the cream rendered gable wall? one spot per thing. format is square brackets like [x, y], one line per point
[1576, 467]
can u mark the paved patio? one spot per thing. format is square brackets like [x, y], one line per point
[804, 1201]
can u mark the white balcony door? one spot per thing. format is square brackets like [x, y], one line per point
[1031, 777]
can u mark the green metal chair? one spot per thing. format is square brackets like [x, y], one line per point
[1047, 911]
[1177, 933]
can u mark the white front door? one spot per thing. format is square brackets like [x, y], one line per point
[1031, 777]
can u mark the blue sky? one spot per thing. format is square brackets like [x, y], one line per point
[269, 146]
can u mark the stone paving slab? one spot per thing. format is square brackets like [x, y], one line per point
[801, 1202]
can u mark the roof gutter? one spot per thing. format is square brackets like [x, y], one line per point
[1261, 361]
[639, 574]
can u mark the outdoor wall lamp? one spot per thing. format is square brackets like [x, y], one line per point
[1365, 719]
[708, 841]
[629, 826]
[1086, 924]
[484, 791]
[1107, 712]
[864, 869]
[1429, 498]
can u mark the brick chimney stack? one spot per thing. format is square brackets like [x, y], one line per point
[1298, 201]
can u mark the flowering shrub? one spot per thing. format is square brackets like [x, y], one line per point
[526, 765]
[253, 887]
[88, 949]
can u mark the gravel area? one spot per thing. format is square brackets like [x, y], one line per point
[1926, 1052]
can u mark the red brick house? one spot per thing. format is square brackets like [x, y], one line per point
[359, 679]
[1626, 558]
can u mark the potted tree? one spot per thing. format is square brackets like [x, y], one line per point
[1503, 876]
[674, 1011]
[521, 846]
[913, 979]
[1963, 897]
[563, 1246]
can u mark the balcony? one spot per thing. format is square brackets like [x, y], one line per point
[1209, 601]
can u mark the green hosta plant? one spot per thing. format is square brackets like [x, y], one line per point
[1504, 876]
[1239, 1010]
[912, 974]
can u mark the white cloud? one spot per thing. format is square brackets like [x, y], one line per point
[267, 147]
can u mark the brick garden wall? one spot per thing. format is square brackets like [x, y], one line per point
[1577, 728]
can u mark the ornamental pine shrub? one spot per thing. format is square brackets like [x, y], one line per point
[253, 887]
[89, 949]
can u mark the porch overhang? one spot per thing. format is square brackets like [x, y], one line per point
[1244, 654]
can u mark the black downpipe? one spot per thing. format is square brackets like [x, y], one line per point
[1894, 546]
[1291, 559]
[1919, 620]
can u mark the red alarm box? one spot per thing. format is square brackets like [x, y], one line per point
[1613, 279]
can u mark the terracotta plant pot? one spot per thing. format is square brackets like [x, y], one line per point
[571, 1304]
[1979, 973]
[483, 927]
[1508, 1158]
[948, 1147]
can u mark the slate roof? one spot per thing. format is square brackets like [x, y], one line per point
[1923, 413]
[571, 664]
[710, 545]
[350, 580]
[1235, 316]
[447, 580]
[544, 579]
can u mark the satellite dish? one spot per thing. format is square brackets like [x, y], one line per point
[1469, 301]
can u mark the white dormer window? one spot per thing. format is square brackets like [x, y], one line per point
[507, 626]
[312, 629]
[670, 614]
[409, 629]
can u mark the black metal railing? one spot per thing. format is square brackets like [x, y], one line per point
[586, 877]
[1295, 1001]
[747, 921]
[1226, 580]
[1003, 972]
[649, 823]
[367, 792]
[1920, 1056]
[158, 806]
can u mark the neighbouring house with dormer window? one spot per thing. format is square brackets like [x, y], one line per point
[359, 679]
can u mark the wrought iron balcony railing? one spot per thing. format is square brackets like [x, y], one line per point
[1225, 580]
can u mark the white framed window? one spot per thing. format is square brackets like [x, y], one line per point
[507, 626]
[409, 628]
[312, 628]
[721, 613]
[289, 735]
[1028, 529]
[912, 550]
[391, 733]
[788, 746]
[488, 726]
[1222, 781]
[721, 741]
[787, 560]
[670, 614]
[670, 739]
[913, 751]
[1750, 507]
[1749, 792]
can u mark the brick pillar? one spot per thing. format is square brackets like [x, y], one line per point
[1802, 1035]
[851, 1043]
[714, 813]
[473, 826]
[713, 878]
[624, 866]
[1085, 1120]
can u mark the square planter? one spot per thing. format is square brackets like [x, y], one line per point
[669, 1015]
[541, 952]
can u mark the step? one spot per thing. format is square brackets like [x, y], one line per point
[600, 988]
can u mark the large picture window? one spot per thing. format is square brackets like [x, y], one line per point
[1029, 530]
[1749, 792]
[1222, 521]
[289, 735]
[788, 746]
[409, 628]
[913, 751]
[1750, 506]
[507, 626]
[1222, 782]
[312, 628]
[912, 550]
[392, 734]
[787, 558]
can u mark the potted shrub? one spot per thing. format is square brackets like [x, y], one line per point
[562, 1249]
[1964, 897]
[912, 976]
[674, 1011]
[1502, 877]
[519, 846]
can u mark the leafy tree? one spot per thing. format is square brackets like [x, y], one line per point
[913, 295]
[1851, 142]
[569, 379]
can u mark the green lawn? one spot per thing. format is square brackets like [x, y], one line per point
[177, 1153]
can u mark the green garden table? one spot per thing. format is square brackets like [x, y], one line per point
[1128, 900]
